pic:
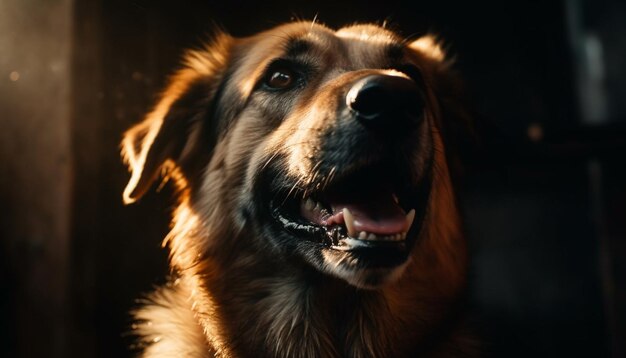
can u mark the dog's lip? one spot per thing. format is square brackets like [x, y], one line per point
[390, 224]
[392, 199]
[341, 226]
[334, 235]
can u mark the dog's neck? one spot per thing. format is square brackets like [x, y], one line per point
[267, 307]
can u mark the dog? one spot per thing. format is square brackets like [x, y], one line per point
[316, 211]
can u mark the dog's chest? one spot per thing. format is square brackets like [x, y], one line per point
[294, 320]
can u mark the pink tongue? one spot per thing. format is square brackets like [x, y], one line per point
[378, 213]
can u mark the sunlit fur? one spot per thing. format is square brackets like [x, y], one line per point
[232, 295]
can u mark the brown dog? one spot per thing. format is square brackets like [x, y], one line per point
[316, 213]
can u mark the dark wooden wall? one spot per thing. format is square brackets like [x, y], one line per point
[35, 175]
[545, 217]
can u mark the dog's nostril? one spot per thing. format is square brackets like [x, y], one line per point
[381, 100]
[368, 99]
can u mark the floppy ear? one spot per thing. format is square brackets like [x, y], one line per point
[172, 134]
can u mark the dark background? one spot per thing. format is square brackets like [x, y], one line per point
[544, 194]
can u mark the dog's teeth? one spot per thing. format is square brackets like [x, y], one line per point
[349, 220]
[350, 242]
[409, 219]
[395, 198]
[309, 204]
[365, 236]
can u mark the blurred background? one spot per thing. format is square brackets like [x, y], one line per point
[544, 194]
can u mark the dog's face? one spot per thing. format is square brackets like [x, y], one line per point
[319, 145]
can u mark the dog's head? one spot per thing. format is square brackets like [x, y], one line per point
[322, 145]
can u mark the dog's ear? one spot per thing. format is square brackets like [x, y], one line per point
[172, 134]
[429, 47]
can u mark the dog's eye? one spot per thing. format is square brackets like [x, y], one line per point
[281, 79]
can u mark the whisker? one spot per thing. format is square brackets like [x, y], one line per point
[292, 190]
[330, 176]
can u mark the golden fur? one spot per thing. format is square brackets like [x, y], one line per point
[233, 293]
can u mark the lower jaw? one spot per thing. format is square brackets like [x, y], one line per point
[371, 267]
[358, 271]
[374, 257]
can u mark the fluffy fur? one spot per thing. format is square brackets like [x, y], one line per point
[236, 291]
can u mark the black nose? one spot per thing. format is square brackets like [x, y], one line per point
[385, 102]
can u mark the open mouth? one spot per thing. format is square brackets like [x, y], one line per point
[365, 210]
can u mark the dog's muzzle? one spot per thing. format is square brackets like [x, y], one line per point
[369, 200]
